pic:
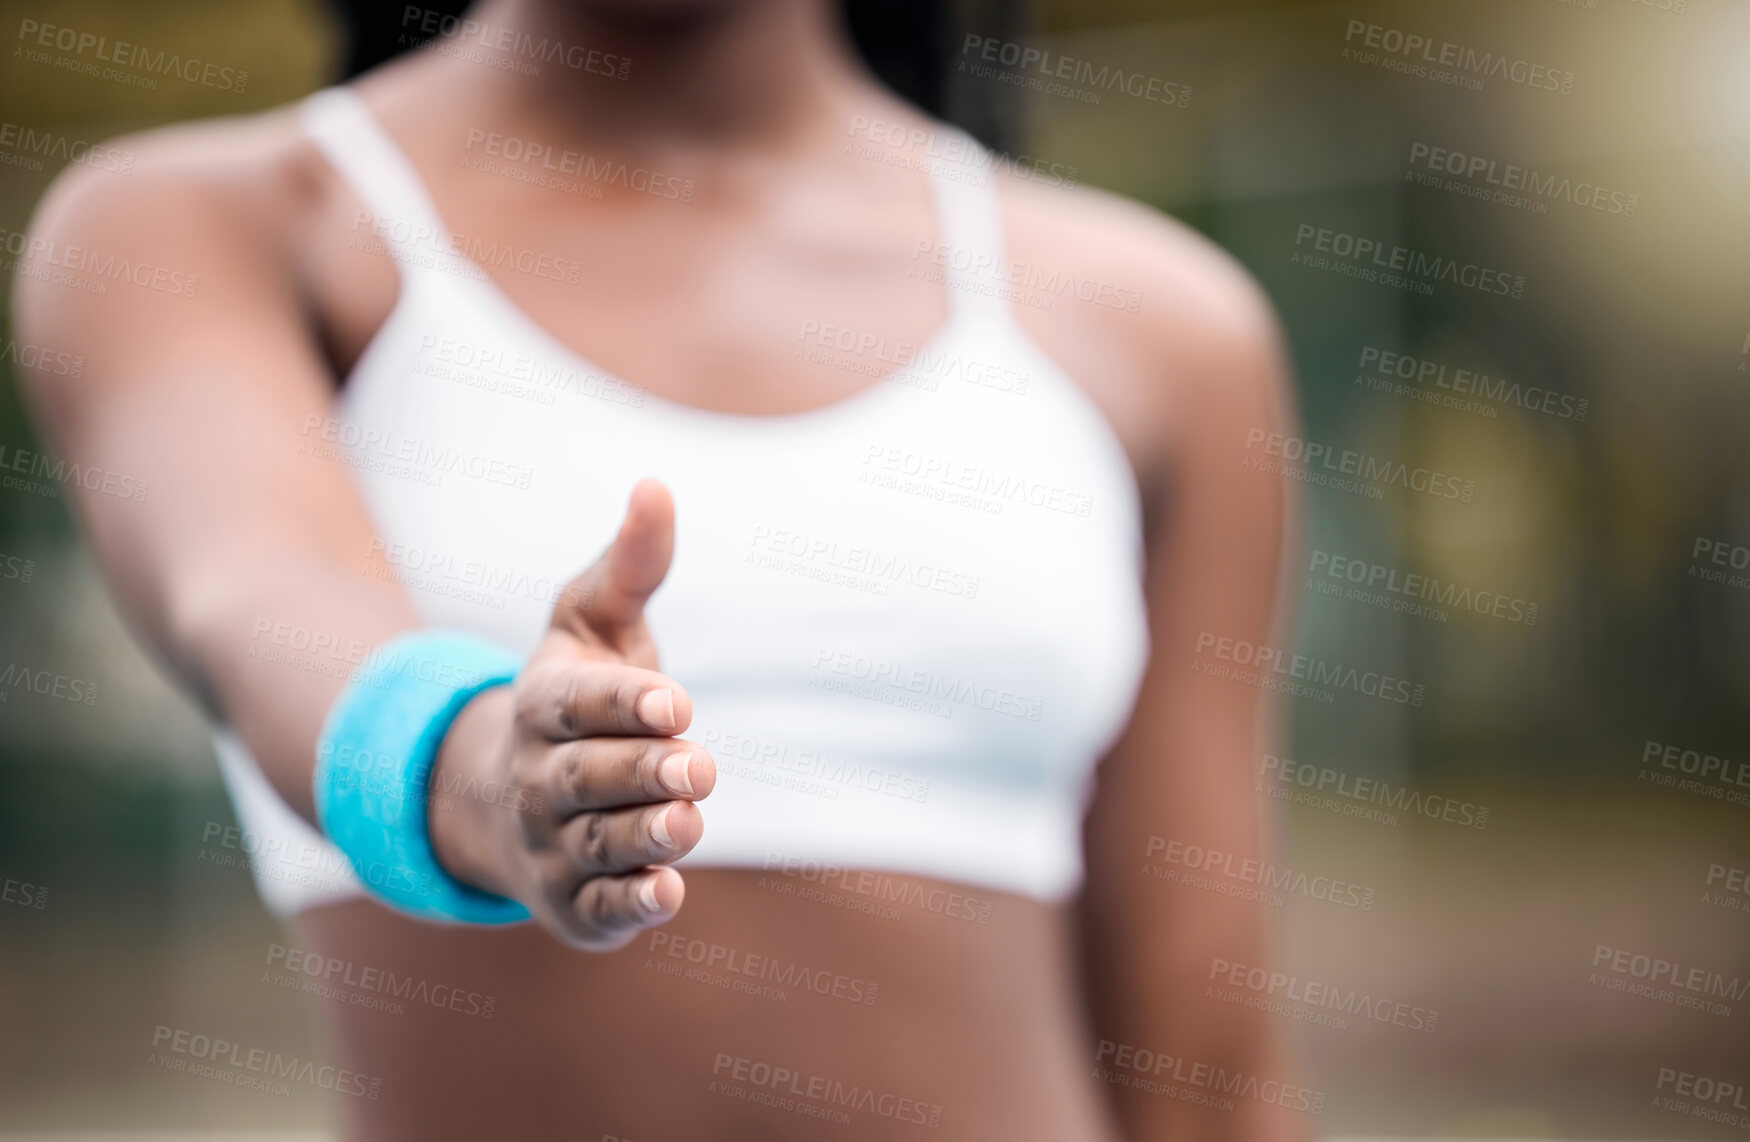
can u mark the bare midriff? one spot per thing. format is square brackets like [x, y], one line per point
[776, 1006]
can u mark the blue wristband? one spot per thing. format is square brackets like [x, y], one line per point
[373, 769]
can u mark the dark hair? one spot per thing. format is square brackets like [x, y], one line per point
[906, 43]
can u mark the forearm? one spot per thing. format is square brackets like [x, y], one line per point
[276, 655]
[250, 569]
[1163, 921]
[1181, 1062]
[247, 558]
[272, 641]
[264, 594]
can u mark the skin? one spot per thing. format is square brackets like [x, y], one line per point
[205, 396]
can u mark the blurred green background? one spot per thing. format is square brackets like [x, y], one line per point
[1596, 520]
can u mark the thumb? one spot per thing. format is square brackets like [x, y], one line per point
[606, 602]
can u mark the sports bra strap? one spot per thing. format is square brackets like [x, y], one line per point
[401, 214]
[970, 215]
[403, 217]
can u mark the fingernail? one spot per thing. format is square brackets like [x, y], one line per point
[674, 773]
[647, 895]
[659, 827]
[657, 709]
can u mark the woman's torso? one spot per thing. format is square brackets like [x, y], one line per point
[865, 628]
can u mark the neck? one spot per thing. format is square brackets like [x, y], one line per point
[712, 73]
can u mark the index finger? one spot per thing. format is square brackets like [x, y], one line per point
[564, 701]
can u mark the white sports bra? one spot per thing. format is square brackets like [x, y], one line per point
[911, 622]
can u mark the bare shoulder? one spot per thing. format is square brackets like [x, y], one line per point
[196, 232]
[1160, 325]
[171, 213]
[247, 165]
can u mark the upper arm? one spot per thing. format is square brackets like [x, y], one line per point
[1192, 383]
[1218, 530]
[202, 382]
[1181, 778]
[200, 373]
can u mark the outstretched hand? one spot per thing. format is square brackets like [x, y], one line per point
[601, 790]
